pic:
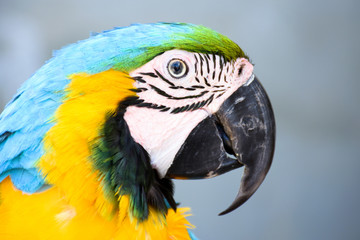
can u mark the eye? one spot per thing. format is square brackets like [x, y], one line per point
[177, 68]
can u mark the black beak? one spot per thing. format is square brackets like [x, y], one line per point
[241, 133]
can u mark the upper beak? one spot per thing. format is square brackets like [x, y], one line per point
[240, 133]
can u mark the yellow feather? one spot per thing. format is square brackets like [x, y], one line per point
[49, 215]
[78, 121]
[76, 207]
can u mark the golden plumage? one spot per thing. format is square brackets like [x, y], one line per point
[76, 206]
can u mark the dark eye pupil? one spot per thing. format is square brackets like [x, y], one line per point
[176, 67]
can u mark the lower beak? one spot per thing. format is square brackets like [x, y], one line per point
[240, 133]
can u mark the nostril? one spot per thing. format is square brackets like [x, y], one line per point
[240, 70]
[225, 139]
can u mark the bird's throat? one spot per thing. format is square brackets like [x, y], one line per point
[124, 165]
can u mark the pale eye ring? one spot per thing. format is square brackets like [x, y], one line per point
[177, 68]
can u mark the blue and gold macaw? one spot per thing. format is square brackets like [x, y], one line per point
[90, 143]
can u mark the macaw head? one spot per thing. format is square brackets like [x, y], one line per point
[134, 107]
[200, 113]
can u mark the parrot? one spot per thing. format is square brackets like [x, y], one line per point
[91, 142]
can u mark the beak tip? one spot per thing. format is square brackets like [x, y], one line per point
[225, 212]
[240, 199]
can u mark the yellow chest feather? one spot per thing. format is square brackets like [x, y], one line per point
[48, 215]
[76, 206]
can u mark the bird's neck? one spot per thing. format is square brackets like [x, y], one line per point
[90, 146]
[125, 169]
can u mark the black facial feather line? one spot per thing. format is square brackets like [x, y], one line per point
[203, 82]
[125, 167]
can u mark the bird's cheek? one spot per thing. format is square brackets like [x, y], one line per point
[161, 133]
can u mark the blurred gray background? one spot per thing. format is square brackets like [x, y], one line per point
[307, 55]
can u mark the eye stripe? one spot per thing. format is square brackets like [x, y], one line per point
[201, 65]
[214, 60]
[193, 106]
[207, 65]
[210, 99]
[206, 82]
[221, 69]
[163, 78]
[219, 90]
[138, 90]
[196, 63]
[163, 93]
[151, 74]
[220, 95]
[211, 83]
[139, 79]
[165, 109]
[181, 87]
[201, 58]
[221, 62]
[197, 86]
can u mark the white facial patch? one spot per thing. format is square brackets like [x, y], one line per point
[173, 107]
[161, 133]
